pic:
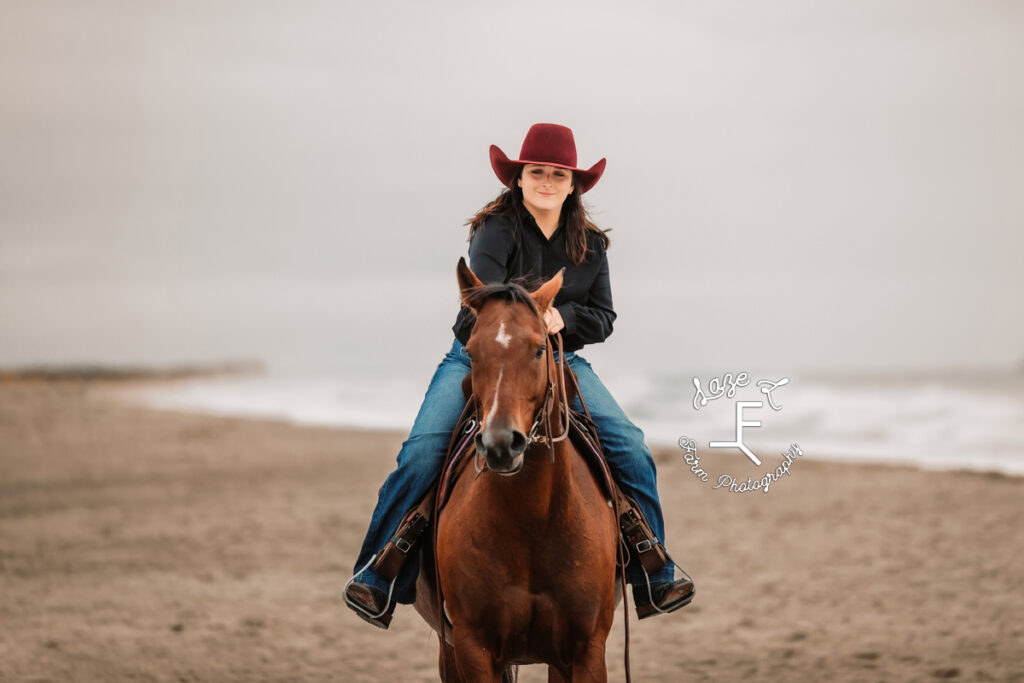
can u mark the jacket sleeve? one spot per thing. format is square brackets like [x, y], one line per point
[489, 250]
[590, 322]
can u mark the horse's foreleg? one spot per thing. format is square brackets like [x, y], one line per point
[447, 667]
[554, 676]
[475, 662]
[589, 667]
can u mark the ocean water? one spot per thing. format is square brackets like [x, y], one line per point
[942, 420]
[337, 355]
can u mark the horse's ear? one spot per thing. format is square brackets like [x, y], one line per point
[467, 280]
[545, 294]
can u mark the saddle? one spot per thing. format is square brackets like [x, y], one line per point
[635, 531]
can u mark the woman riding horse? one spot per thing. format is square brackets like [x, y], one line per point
[534, 228]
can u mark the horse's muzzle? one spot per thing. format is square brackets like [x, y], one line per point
[502, 449]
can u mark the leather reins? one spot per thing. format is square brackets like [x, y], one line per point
[622, 556]
[544, 412]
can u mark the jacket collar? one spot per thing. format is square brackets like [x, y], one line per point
[530, 221]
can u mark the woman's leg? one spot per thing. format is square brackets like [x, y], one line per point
[628, 456]
[419, 463]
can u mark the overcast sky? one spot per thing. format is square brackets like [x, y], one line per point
[815, 184]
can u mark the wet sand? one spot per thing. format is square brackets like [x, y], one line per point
[138, 545]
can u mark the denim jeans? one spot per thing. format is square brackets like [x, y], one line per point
[422, 456]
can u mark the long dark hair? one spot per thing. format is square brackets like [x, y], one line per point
[577, 223]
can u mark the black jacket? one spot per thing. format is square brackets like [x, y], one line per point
[498, 252]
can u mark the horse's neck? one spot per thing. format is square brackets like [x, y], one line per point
[551, 480]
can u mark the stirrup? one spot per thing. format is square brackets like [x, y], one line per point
[646, 606]
[374, 619]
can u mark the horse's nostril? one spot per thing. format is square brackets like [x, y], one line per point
[479, 442]
[518, 444]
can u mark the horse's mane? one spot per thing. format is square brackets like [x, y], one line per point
[510, 291]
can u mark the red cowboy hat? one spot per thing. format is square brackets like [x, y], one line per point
[548, 144]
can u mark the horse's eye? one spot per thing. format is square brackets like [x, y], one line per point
[540, 353]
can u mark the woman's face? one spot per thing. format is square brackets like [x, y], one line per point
[545, 187]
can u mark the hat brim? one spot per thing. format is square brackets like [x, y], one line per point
[506, 168]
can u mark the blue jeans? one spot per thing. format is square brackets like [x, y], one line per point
[422, 456]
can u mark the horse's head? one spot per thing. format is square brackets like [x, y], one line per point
[511, 368]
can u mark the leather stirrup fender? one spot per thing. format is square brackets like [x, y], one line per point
[394, 553]
[640, 538]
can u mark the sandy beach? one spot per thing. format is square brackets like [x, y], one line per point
[140, 545]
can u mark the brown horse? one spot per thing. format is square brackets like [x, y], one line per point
[526, 545]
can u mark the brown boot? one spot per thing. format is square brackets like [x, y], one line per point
[668, 597]
[370, 604]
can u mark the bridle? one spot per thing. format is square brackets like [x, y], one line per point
[543, 414]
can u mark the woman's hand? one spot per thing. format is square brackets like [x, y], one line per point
[553, 319]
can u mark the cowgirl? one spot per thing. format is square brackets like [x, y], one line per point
[535, 227]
